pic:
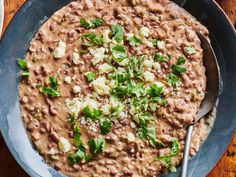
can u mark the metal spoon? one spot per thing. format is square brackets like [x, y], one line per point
[212, 92]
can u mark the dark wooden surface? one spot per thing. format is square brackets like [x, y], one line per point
[226, 167]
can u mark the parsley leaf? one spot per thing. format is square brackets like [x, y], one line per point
[92, 39]
[178, 68]
[52, 91]
[97, 22]
[155, 91]
[119, 52]
[159, 57]
[173, 80]
[91, 24]
[90, 76]
[117, 110]
[174, 151]
[93, 114]
[97, 145]
[134, 41]
[117, 32]
[74, 158]
[106, 126]
[23, 66]
[190, 50]
[22, 63]
[85, 23]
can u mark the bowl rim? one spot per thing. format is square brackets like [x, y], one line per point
[22, 164]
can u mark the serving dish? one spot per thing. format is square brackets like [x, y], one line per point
[11, 124]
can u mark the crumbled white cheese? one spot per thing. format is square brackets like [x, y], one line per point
[159, 84]
[132, 111]
[160, 44]
[129, 35]
[106, 38]
[132, 124]
[53, 151]
[100, 86]
[113, 102]
[157, 66]
[91, 103]
[112, 83]
[153, 106]
[67, 79]
[105, 68]
[123, 62]
[144, 32]
[106, 110]
[147, 63]
[98, 55]
[76, 89]
[147, 42]
[74, 105]
[59, 51]
[83, 121]
[75, 58]
[64, 144]
[130, 137]
[148, 76]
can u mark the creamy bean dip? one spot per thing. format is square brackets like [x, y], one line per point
[108, 87]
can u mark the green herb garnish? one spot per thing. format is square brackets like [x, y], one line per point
[91, 76]
[119, 52]
[91, 24]
[159, 57]
[92, 39]
[93, 114]
[23, 66]
[134, 41]
[97, 145]
[190, 50]
[74, 158]
[52, 91]
[178, 68]
[174, 151]
[117, 32]
[173, 80]
[106, 126]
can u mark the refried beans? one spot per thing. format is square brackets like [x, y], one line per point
[108, 87]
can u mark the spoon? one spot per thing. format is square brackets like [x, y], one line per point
[212, 91]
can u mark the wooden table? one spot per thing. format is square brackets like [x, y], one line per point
[226, 167]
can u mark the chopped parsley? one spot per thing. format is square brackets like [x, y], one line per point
[97, 145]
[190, 50]
[91, 24]
[173, 80]
[117, 110]
[178, 68]
[145, 132]
[118, 32]
[52, 91]
[159, 57]
[119, 52]
[91, 76]
[92, 114]
[174, 151]
[156, 43]
[23, 66]
[134, 41]
[155, 91]
[135, 67]
[91, 39]
[76, 157]
[106, 126]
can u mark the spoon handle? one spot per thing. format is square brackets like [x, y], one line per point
[186, 151]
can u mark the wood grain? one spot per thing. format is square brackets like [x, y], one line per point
[226, 167]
